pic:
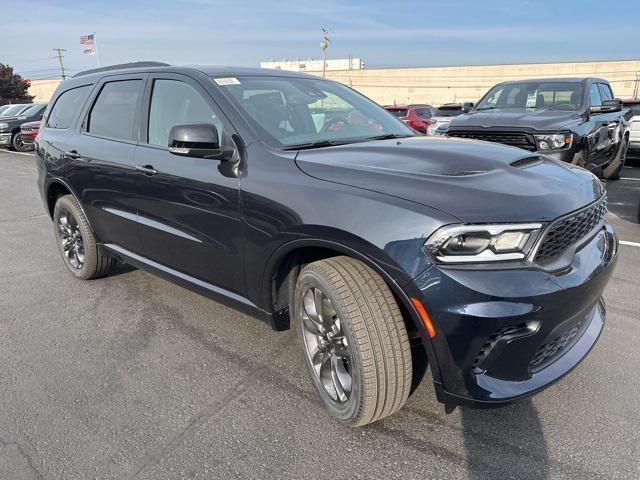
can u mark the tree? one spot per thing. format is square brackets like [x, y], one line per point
[13, 88]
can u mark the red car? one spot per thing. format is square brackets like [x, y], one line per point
[29, 131]
[417, 116]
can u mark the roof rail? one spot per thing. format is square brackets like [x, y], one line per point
[121, 66]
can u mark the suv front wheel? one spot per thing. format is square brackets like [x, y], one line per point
[354, 340]
[76, 241]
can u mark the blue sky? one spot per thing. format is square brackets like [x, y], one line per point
[382, 33]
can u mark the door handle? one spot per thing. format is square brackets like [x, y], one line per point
[146, 169]
[72, 154]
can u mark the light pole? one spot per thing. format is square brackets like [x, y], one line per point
[323, 46]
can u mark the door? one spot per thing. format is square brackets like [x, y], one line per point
[601, 131]
[102, 155]
[188, 208]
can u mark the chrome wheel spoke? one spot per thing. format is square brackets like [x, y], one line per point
[71, 239]
[326, 345]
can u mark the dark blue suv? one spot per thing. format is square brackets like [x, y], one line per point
[303, 203]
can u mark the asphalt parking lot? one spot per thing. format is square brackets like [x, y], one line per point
[134, 377]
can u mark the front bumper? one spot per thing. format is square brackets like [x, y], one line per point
[5, 139]
[505, 334]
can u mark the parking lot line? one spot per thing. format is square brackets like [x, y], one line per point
[629, 178]
[631, 244]
[22, 153]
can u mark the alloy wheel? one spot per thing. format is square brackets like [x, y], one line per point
[326, 345]
[71, 239]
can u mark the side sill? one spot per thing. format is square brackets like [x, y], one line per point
[230, 299]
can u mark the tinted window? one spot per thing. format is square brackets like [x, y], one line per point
[174, 103]
[424, 112]
[449, 111]
[531, 95]
[398, 112]
[67, 107]
[594, 96]
[114, 110]
[14, 109]
[605, 92]
[33, 110]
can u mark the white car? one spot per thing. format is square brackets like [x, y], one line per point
[634, 125]
[443, 116]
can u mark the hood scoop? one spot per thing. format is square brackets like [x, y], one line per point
[463, 173]
[527, 162]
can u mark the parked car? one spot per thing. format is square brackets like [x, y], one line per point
[443, 116]
[10, 135]
[576, 120]
[381, 247]
[29, 132]
[632, 107]
[416, 116]
[4, 107]
[14, 110]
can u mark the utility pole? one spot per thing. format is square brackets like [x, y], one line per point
[59, 52]
[323, 46]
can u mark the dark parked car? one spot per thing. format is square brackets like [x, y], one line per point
[14, 110]
[10, 135]
[632, 107]
[382, 248]
[417, 117]
[576, 120]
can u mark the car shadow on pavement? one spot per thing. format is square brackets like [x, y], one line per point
[505, 443]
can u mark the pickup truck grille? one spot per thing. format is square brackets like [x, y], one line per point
[568, 230]
[514, 139]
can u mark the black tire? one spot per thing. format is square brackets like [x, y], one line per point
[18, 145]
[94, 264]
[379, 360]
[613, 171]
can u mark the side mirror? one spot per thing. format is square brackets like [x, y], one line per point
[198, 140]
[608, 106]
[467, 107]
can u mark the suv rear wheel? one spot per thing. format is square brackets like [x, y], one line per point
[76, 241]
[354, 340]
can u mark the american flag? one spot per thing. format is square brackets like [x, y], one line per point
[88, 39]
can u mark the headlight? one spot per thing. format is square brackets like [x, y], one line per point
[553, 141]
[4, 126]
[482, 243]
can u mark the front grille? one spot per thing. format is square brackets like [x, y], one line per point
[568, 230]
[514, 139]
[550, 351]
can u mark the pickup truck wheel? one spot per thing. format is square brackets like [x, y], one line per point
[76, 242]
[354, 340]
[613, 171]
[18, 144]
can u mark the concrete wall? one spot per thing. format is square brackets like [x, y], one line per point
[43, 89]
[438, 85]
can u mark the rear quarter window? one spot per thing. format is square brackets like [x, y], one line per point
[67, 107]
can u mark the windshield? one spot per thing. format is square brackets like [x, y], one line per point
[449, 111]
[534, 95]
[13, 110]
[398, 112]
[299, 112]
[32, 110]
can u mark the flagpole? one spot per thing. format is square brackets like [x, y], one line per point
[95, 42]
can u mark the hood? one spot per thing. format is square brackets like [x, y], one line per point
[516, 117]
[474, 181]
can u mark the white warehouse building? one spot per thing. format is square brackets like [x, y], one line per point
[312, 65]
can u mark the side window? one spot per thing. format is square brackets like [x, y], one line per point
[594, 96]
[67, 107]
[114, 110]
[605, 92]
[173, 103]
[423, 112]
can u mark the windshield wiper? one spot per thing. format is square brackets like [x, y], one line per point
[387, 136]
[318, 144]
[486, 108]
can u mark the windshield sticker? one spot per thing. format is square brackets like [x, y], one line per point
[532, 99]
[227, 81]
